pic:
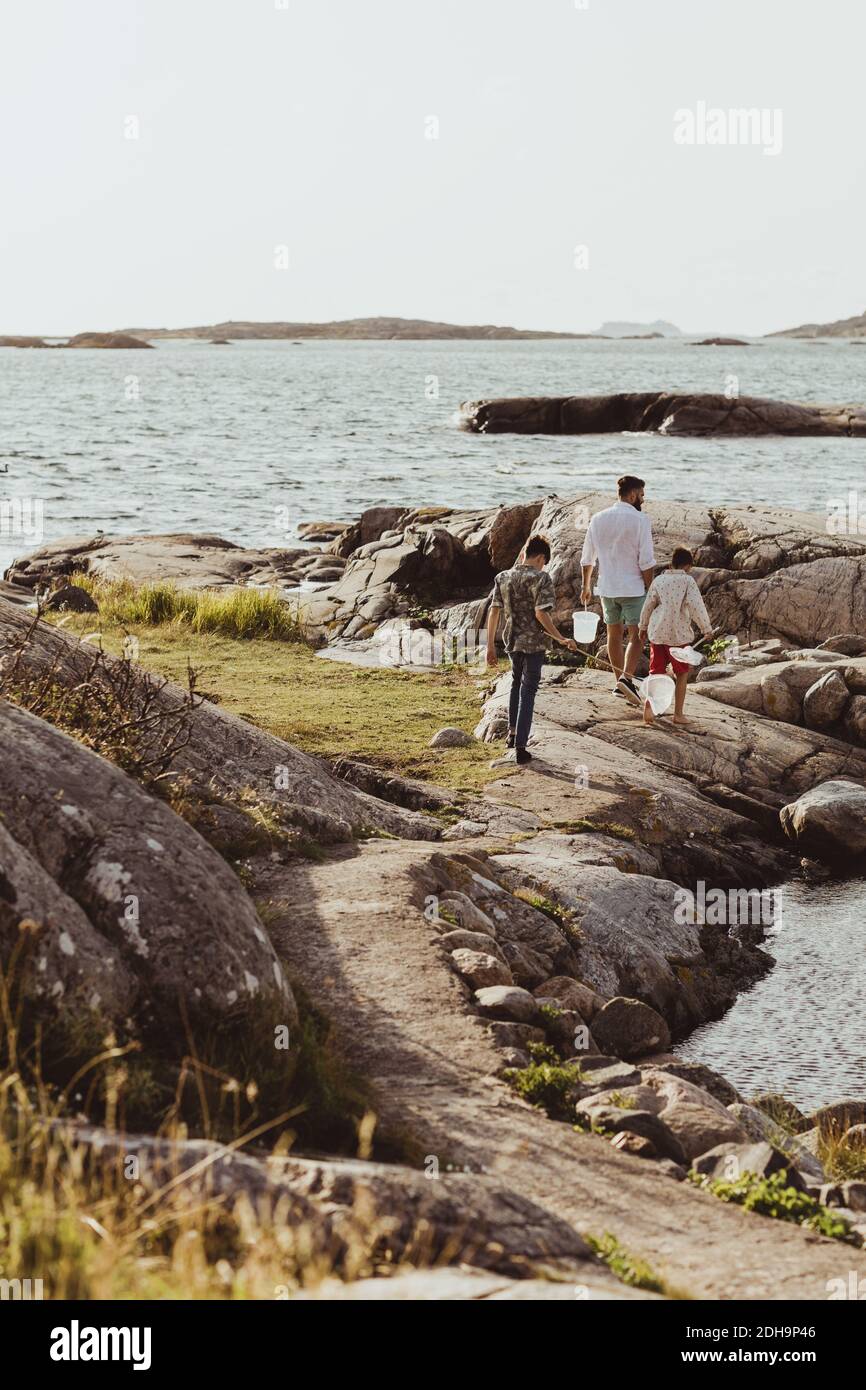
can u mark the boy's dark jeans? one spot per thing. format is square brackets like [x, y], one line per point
[525, 675]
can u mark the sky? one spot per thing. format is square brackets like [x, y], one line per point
[522, 162]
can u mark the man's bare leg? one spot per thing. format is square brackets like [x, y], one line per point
[632, 656]
[614, 648]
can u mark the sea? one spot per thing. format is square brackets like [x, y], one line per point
[250, 440]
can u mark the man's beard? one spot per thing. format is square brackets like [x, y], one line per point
[637, 504]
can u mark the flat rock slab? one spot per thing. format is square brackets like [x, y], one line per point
[187, 560]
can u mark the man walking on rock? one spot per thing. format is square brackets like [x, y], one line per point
[524, 595]
[620, 540]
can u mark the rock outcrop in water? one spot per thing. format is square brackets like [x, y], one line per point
[106, 340]
[659, 412]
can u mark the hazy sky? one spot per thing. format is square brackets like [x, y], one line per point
[304, 123]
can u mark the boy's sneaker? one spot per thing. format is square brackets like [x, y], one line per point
[626, 686]
[522, 756]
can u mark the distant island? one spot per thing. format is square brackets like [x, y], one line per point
[660, 328]
[840, 328]
[391, 330]
[80, 340]
[382, 328]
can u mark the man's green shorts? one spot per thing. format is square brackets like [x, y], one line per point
[622, 610]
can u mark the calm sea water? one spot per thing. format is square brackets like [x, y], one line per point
[249, 440]
[800, 1029]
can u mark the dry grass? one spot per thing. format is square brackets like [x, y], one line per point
[240, 613]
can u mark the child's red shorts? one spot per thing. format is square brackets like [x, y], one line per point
[660, 659]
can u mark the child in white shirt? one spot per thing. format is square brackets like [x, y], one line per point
[673, 603]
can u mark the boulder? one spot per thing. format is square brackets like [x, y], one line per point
[634, 1111]
[162, 907]
[466, 913]
[634, 1144]
[628, 1029]
[571, 994]
[600, 1073]
[825, 701]
[70, 598]
[698, 1120]
[854, 1195]
[462, 940]
[481, 970]
[508, 1003]
[515, 1035]
[840, 1116]
[70, 977]
[568, 1032]
[528, 966]
[847, 643]
[762, 1129]
[829, 821]
[452, 738]
[699, 1075]
[783, 1111]
[855, 719]
[731, 1161]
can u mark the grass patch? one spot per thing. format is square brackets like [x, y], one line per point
[844, 1158]
[579, 827]
[379, 716]
[562, 916]
[547, 1083]
[773, 1196]
[241, 613]
[628, 1268]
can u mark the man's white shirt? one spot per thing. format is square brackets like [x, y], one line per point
[620, 538]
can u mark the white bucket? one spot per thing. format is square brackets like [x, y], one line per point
[585, 625]
[659, 691]
[688, 655]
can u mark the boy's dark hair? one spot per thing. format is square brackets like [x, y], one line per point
[681, 557]
[628, 483]
[537, 545]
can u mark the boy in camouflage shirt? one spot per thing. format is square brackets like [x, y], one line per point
[524, 597]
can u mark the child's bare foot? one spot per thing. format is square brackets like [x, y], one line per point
[680, 719]
[648, 716]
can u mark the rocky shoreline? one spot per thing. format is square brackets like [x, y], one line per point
[536, 926]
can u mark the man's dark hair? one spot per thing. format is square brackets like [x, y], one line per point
[681, 557]
[537, 545]
[628, 484]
